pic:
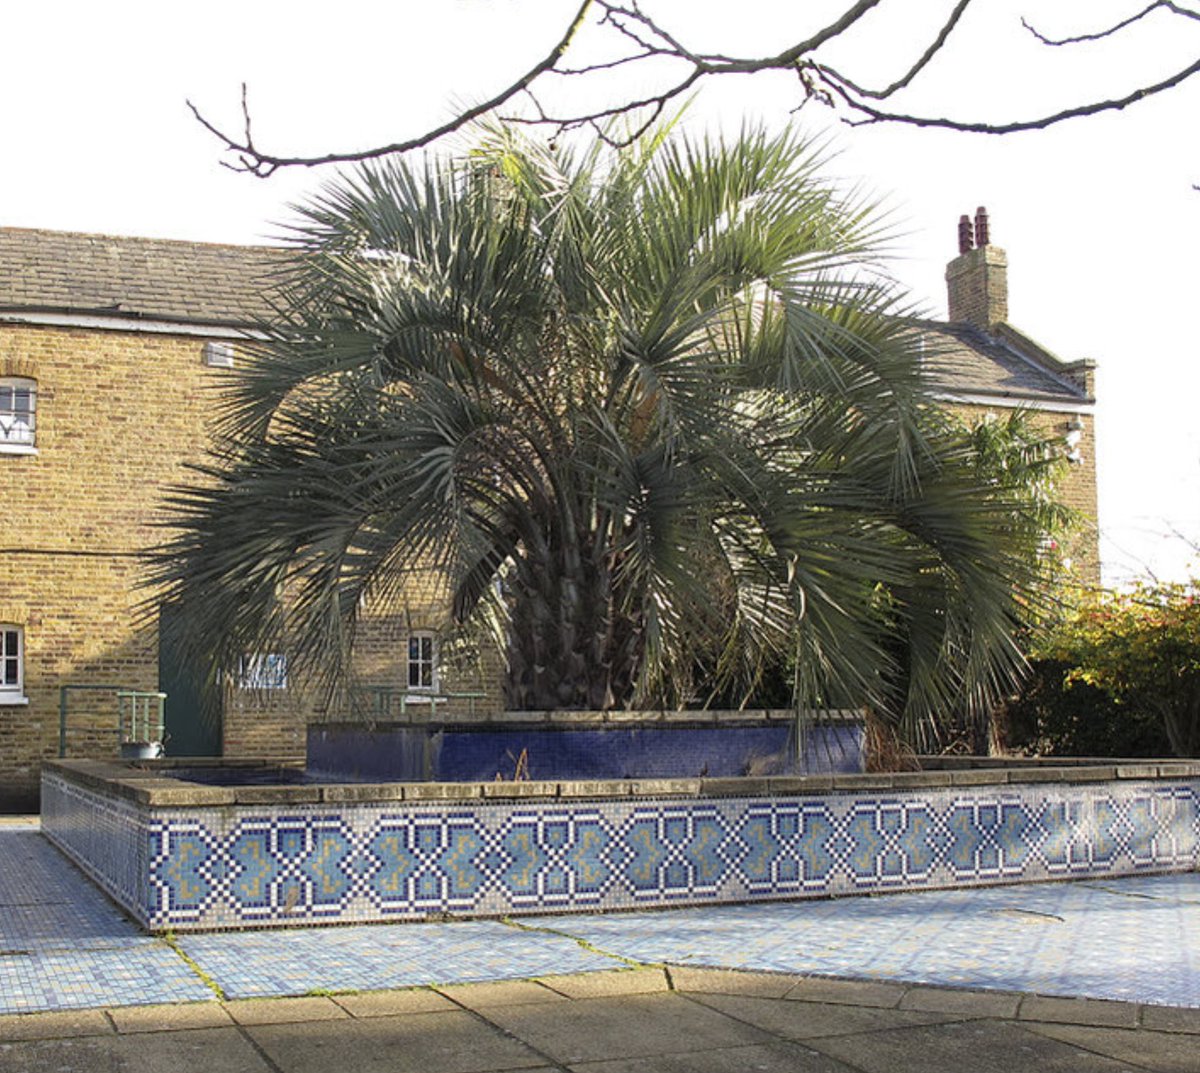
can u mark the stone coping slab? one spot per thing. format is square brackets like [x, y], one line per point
[575, 720]
[150, 782]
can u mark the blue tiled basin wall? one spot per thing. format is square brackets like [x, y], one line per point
[186, 856]
[588, 745]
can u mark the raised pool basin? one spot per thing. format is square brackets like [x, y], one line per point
[182, 855]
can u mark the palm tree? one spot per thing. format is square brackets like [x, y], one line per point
[655, 415]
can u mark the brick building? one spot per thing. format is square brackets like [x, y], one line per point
[110, 351]
[983, 366]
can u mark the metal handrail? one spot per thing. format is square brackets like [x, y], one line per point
[122, 693]
[139, 711]
[385, 696]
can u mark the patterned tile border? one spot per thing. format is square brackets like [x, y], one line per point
[255, 865]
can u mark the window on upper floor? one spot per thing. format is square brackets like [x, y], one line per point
[12, 664]
[18, 413]
[422, 662]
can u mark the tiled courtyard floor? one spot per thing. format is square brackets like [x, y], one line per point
[64, 946]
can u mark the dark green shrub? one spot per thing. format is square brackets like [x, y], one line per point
[1056, 717]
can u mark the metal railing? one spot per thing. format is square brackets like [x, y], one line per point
[386, 702]
[140, 716]
[138, 705]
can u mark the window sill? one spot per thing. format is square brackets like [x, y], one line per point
[12, 700]
[17, 449]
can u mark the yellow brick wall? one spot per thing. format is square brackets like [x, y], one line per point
[265, 724]
[80, 622]
[381, 649]
[118, 415]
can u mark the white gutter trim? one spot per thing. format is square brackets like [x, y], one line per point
[100, 322]
[1009, 402]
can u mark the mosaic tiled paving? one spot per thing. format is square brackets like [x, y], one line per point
[1132, 939]
[248, 964]
[63, 944]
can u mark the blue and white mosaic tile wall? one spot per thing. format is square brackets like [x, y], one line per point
[104, 835]
[258, 866]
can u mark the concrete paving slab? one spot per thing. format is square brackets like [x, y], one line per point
[810, 1020]
[172, 1018]
[1161, 1051]
[696, 1032]
[58, 1024]
[394, 1003]
[847, 992]
[459, 1042]
[977, 1046]
[1171, 1019]
[608, 984]
[1078, 1011]
[966, 1003]
[500, 993]
[638, 1026]
[766, 1058]
[213, 1050]
[726, 982]
[276, 1011]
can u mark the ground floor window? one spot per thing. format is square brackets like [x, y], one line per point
[12, 663]
[422, 662]
[263, 670]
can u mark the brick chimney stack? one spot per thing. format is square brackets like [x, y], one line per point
[977, 279]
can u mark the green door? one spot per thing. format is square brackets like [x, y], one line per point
[193, 708]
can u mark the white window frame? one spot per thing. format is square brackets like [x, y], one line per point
[263, 670]
[12, 691]
[218, 354]
[420, 692]
[27, 445]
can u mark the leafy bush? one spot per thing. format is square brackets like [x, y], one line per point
[1056, 717]
[1119, 676]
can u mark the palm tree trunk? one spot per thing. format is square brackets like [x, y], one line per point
[569, 647]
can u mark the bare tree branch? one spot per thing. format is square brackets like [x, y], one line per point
[646, 39]
[904, 80]
[620, 17]
[251, 160]
[621, 61]
[1157, 5]
[874, 115]
[595, 120]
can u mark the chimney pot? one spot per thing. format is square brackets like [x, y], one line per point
[964, 234]
[981, 227]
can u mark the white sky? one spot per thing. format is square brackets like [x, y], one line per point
[1099, 217]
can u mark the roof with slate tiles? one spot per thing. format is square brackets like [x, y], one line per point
[161, 279]
[1004, 364]
[199, 283]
